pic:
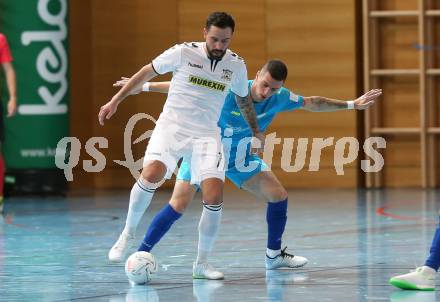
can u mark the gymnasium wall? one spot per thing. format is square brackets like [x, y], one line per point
[316, 38]
[401, 55]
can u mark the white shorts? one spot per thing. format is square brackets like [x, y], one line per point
[168, 145]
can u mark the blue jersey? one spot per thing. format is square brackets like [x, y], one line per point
[235, 128]
[232, 122]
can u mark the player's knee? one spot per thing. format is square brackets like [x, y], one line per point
[154, 172]
[278, 194]
[214, 196]
[178, 205]
[212, 191]
[150, 179]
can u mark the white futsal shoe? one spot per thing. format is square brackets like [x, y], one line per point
[120, 249]
[423, 278]
[206, 271]
[285, 260]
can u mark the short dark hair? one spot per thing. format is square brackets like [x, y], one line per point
[220, 19]
[277, 69]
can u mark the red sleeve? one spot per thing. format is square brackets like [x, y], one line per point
[5, 53]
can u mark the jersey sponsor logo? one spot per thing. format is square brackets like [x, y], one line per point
[237, 113]
[227, 75]
[195, 65]
[206, 83]
[293, 97]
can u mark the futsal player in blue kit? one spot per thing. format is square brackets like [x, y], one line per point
[269, 98]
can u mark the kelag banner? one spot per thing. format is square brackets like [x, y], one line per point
[38, 37]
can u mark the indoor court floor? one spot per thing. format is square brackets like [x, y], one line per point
[55, 249]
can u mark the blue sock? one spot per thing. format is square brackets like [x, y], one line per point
[276, 217]
[161, 223]
[433, 260]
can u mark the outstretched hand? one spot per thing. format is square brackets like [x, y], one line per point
[107, 111]
[367, 100]
[123, 81]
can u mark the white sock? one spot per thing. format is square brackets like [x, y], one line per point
[140, 198]
[429, 270]
[272, 253]
[208, 229]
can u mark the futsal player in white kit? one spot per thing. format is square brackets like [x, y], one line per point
[203, 74]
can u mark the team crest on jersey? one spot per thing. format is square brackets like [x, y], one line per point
[206, 83]
[227, 75]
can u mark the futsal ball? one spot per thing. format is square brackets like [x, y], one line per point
[140, 266]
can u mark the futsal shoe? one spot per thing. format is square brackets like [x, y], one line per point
[206, 271]
[120, 249]
[285, 260]
[423, 278]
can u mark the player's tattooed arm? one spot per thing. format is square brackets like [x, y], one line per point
[323, 104]
[161, 87]
[247, 109]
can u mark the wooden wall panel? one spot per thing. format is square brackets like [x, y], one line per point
[402, 160]
[124, 36]
[434, 47]
[129, 36]
[81, 80]
[433, 4]
[317, 40]
[437, 161]
[398, 44]
[436, 89]
[401, 107]
[396, 4]
[403, 44]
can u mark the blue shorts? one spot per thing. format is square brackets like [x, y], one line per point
[232, 173]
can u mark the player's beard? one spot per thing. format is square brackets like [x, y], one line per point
[215, 54]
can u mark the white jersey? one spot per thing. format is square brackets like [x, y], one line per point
[199, 85]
